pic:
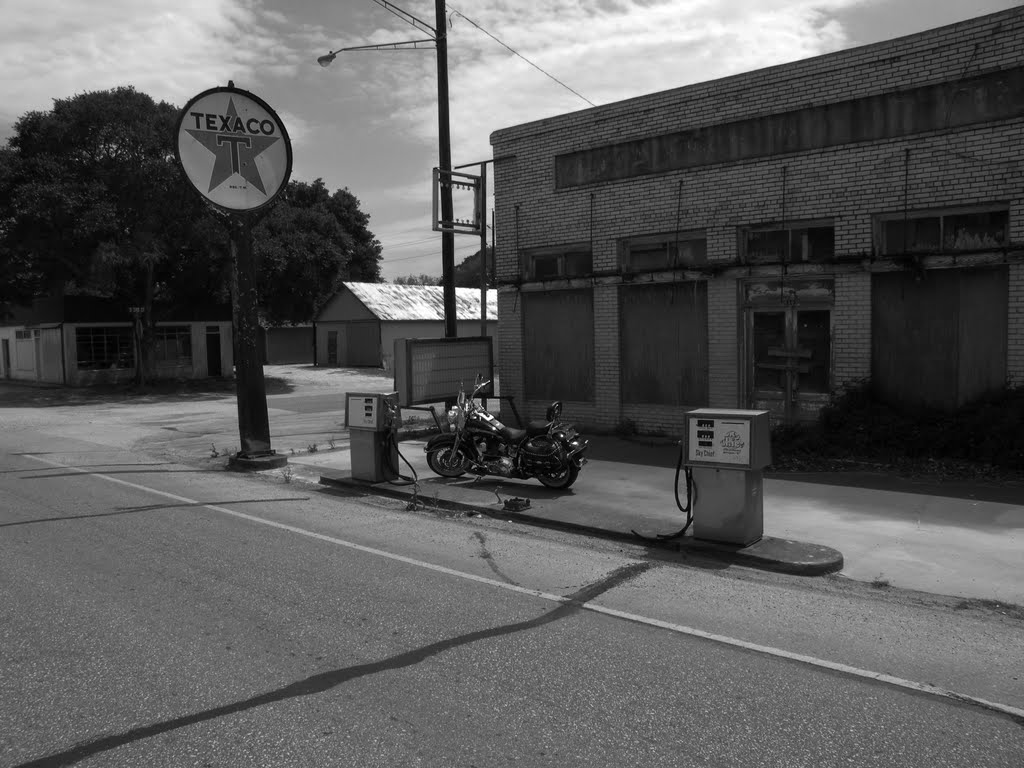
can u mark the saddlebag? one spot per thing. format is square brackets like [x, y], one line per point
[542, 455]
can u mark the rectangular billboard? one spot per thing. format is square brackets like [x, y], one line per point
[432, 370]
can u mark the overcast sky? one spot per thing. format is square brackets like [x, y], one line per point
[369, 121]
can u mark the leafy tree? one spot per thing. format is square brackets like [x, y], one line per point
[417, 280]
[93, 201]
[308, 243]
[467, 273]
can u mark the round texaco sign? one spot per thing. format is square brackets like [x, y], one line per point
[233, 148]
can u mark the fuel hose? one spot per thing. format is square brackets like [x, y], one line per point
[691, 495]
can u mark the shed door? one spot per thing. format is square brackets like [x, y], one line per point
[332, 348]
[363, 344]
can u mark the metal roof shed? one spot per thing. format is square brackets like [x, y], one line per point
[359, 325]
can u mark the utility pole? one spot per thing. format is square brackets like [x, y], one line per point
[445, 165]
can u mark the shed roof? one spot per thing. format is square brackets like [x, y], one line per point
[421, 302]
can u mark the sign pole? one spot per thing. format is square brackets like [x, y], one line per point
[235, 151]
[251, 393]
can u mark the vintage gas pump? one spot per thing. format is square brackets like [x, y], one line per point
[727, 451]
[373, 419]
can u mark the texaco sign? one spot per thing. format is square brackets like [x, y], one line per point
[234, 149]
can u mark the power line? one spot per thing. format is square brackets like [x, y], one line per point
[412, 242]
[427, 255]
[548, 74]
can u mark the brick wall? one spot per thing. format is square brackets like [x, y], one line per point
[723, 345]
[1015, 330]
[851, 329]
[850, 184]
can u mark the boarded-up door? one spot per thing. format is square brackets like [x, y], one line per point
[939, 337]
[363, 344]
[558, 345]
[789, 347]
[664, 344]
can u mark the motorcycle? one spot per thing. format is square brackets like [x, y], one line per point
[551, 451]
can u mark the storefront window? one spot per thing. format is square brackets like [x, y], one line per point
[173, 344]
[104, 347]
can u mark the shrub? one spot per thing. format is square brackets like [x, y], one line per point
[856, 424]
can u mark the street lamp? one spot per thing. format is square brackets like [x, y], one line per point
[438, 37]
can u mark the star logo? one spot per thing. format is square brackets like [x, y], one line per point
[235, 150]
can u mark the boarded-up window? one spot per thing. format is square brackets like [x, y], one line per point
[663, 343]
[558, 345]
[939, 338]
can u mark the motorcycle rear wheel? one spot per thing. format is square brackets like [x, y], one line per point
[448, 462]
[561, 480]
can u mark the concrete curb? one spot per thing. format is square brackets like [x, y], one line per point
[770, 554]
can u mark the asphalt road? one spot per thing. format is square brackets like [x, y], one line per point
[156, 615]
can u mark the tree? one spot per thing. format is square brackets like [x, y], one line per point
[417, 280]
[467, 273]
[307, 244]
[93, 202]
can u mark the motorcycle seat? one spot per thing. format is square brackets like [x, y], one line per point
[533, 428]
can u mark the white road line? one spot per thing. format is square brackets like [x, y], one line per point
[678, 628]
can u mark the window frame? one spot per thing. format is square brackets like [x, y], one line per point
[803, 226]
[117, 338]
[672, 244]
[942, 214]
[562, 256]
[165, 333]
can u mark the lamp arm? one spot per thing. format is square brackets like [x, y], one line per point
[407, 17]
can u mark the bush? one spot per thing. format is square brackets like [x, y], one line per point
[857, 425]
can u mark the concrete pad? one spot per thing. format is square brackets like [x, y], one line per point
[928, 541]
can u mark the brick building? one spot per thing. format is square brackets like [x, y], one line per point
[763, 239]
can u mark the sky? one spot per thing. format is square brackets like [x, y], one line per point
[368, 122]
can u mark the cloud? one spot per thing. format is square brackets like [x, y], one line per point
[58, 48]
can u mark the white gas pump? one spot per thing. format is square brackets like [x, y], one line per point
[726, 452]
[372, 419]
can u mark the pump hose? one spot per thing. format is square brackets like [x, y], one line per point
[392, 439]
[691, 495]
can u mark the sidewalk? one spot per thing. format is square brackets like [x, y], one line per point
[916, 536]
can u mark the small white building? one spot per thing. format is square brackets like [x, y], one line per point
[83, 340]
[359, 325]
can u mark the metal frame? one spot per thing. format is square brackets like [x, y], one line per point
[463, 181]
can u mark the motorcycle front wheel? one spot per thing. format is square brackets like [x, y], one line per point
[561, 480]
[447, 461]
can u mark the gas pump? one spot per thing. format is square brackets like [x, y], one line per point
[726, 453]
[372, 419]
